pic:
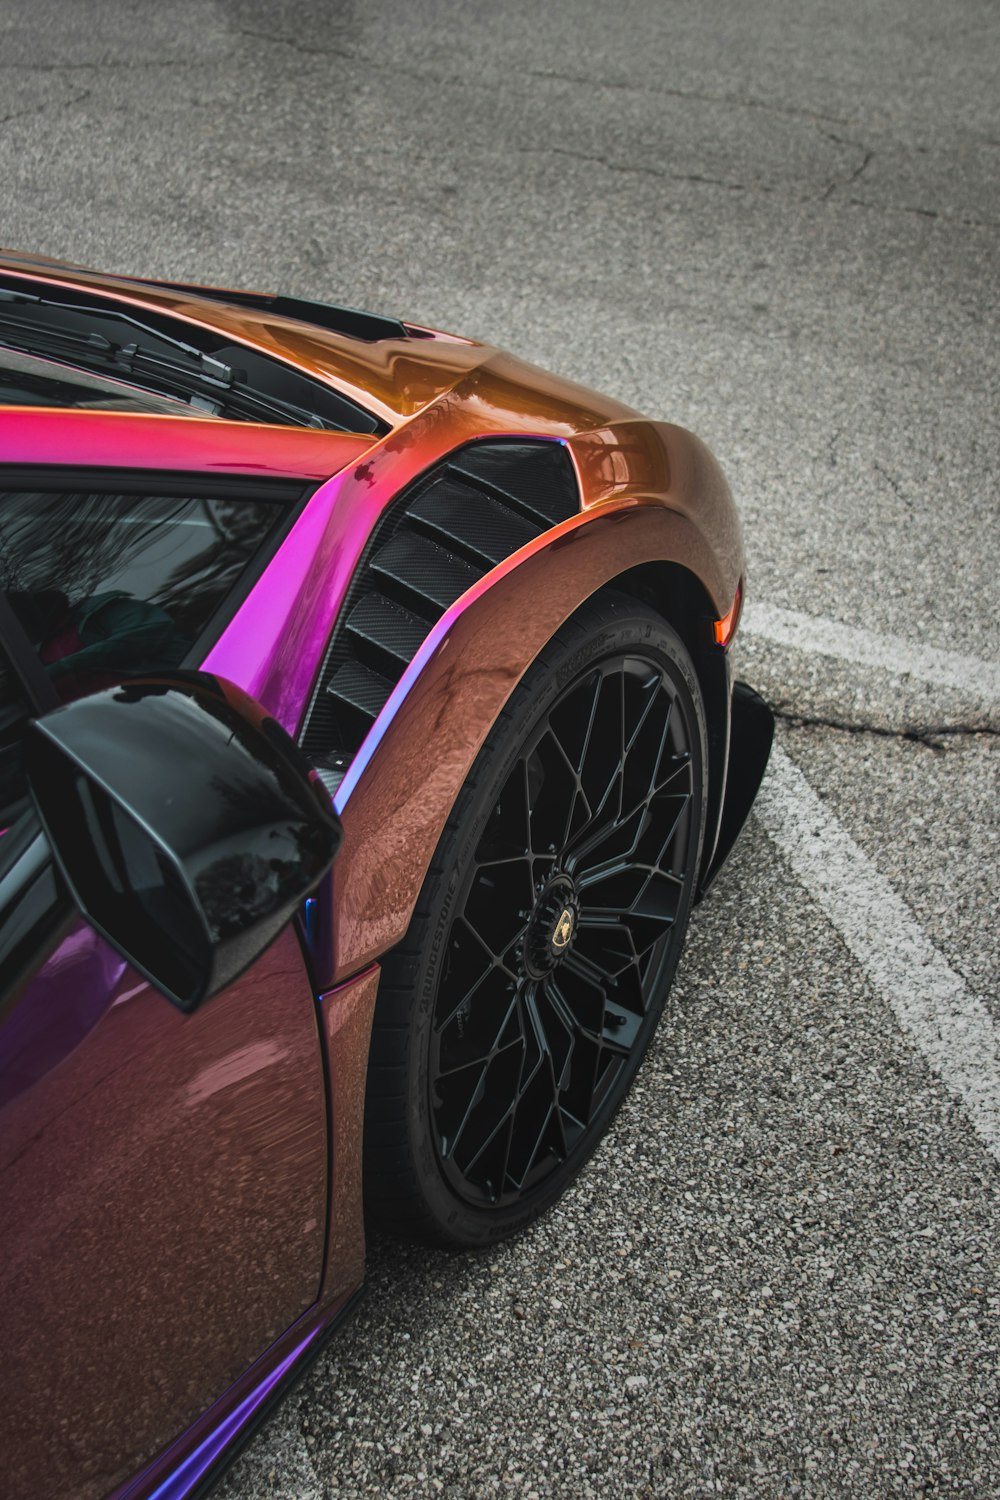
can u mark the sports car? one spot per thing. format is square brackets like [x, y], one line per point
[367, 733]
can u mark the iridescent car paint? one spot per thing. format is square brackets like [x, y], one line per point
[183, 1194]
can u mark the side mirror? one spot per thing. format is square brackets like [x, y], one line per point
[185, 822]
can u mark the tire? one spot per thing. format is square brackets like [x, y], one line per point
[512, 1018]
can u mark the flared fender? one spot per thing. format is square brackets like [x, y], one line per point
[401, 787]
[663, 464]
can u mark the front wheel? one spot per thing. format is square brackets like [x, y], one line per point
[512, 1019]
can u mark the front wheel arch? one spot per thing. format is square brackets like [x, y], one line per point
[680, 597]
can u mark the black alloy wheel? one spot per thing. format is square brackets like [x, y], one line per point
[512, 1019]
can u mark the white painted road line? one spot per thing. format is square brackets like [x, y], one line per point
[935, 1008]
[786, 627]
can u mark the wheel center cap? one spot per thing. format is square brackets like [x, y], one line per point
[564, 929]
[552, 927]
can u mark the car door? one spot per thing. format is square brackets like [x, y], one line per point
[162, 1176]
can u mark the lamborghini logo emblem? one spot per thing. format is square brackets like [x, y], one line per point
[564, 929]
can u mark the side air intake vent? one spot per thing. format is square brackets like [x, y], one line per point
[441, 535]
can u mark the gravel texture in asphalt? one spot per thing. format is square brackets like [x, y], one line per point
[777, 225]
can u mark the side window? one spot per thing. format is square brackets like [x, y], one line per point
[110, 585]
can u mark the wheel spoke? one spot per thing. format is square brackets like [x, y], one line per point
[487, 1028]
[573, 721]
[463, 1067]
[499, 903]
[503, 1124]
[581, 849]
[554, 798]
[600, 775]
[475, 1097]
[507, 833]
[463, 1003]
[576, 963]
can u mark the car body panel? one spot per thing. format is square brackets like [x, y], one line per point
[191, 1464]
[653, 464]
[134, 441]
[345, 1017]
[346, 1021]
[165, 1200]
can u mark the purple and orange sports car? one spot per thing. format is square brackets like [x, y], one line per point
[366, 735]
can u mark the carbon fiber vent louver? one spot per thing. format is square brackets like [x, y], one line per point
[441, 535]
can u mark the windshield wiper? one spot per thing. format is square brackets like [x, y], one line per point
[162, 362]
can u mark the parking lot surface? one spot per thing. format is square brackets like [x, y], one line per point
[777, 225]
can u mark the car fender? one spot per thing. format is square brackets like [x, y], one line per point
[399, 790]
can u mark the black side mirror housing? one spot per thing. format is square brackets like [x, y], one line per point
[185, 822]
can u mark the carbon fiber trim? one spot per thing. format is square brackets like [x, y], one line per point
[434, 541]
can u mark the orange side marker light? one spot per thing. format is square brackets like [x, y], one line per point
[725, 628]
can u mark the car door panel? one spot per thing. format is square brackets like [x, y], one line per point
[163, 1181]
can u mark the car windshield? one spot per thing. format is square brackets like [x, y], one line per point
[26, 380]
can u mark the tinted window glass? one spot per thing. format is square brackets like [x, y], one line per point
[28, 381]
[107, 586]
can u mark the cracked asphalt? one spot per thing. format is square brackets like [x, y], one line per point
[778, 225]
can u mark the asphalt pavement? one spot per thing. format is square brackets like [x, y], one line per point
[777, 224]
